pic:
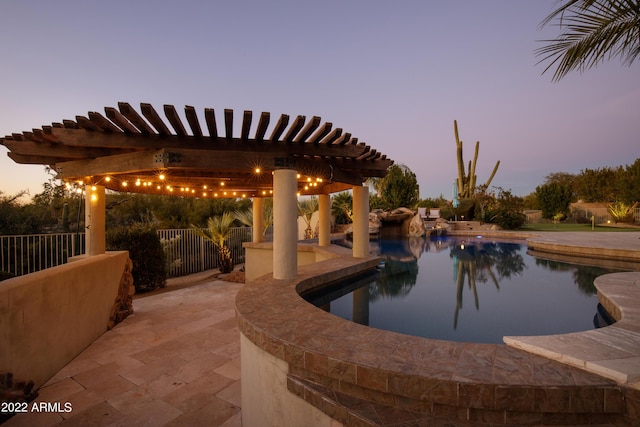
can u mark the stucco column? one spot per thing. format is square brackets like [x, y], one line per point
[285, 224]
[360, 222]
[324, 220]
[258, 219]
[95, 239]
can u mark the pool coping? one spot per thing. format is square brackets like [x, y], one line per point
[438, 378]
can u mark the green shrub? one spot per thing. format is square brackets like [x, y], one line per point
[146, 253]
[4, 275]
[554, 200]
[508, 212]
[466, 210]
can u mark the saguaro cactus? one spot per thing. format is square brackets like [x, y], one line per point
[467, 182]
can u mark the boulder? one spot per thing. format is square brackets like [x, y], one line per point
[416, 226]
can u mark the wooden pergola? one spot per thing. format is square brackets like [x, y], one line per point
[125, 150]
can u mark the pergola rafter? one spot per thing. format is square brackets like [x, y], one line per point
[125, 150]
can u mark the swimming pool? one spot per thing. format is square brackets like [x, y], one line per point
[469, 289]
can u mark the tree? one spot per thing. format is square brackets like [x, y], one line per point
[306, 208]
[554, 200]
[399, 188]
[629, 183]
[218, 231]
[563, 178]
[592, 31]
[342, 207]
[246, 216]
[509, 210]
[597, 185]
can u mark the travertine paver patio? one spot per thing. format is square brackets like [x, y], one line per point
[174, 362]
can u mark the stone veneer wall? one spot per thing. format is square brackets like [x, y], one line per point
[48, 317]
[363, 376]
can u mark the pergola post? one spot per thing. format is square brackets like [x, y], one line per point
[258, 219]
[324, 220]
[95, 219]
[360, 222]
[285, 220]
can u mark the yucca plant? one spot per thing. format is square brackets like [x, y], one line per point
[622, 212]
[218, 231]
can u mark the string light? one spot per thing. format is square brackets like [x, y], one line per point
[159, 184]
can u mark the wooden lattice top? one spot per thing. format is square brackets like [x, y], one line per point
[133, 152]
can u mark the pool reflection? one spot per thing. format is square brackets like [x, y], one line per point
[518, 294]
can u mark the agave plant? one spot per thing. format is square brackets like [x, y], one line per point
[218, 231]
[622, 212]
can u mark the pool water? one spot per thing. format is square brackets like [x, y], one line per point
[467, 289]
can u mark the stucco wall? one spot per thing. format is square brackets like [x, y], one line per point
[259, 257]
[48, 317]
[264, 390]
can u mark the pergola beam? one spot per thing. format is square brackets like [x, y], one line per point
[127, 145]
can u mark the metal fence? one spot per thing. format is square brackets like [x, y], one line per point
[23, 254]
[185, 251]
[600, 214]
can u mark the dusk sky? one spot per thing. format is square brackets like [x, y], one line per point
[395, 74]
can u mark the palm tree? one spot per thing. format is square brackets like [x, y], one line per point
[218, 231]
[342, 207]
[246, 217]
[593, 30]
[306, 208]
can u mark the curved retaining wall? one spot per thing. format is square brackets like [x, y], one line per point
[333, 369]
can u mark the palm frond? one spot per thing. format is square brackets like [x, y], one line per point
[218, 229]
[593, 31]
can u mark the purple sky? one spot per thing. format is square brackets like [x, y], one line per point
[394, 74]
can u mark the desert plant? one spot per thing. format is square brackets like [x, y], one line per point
[246, 217]
[467, 182]
[217, 232]
[342, 207]
[306, 208]
[622, 212]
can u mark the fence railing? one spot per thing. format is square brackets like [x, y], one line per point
[185, 251]
[600, 214]
[23, 254]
